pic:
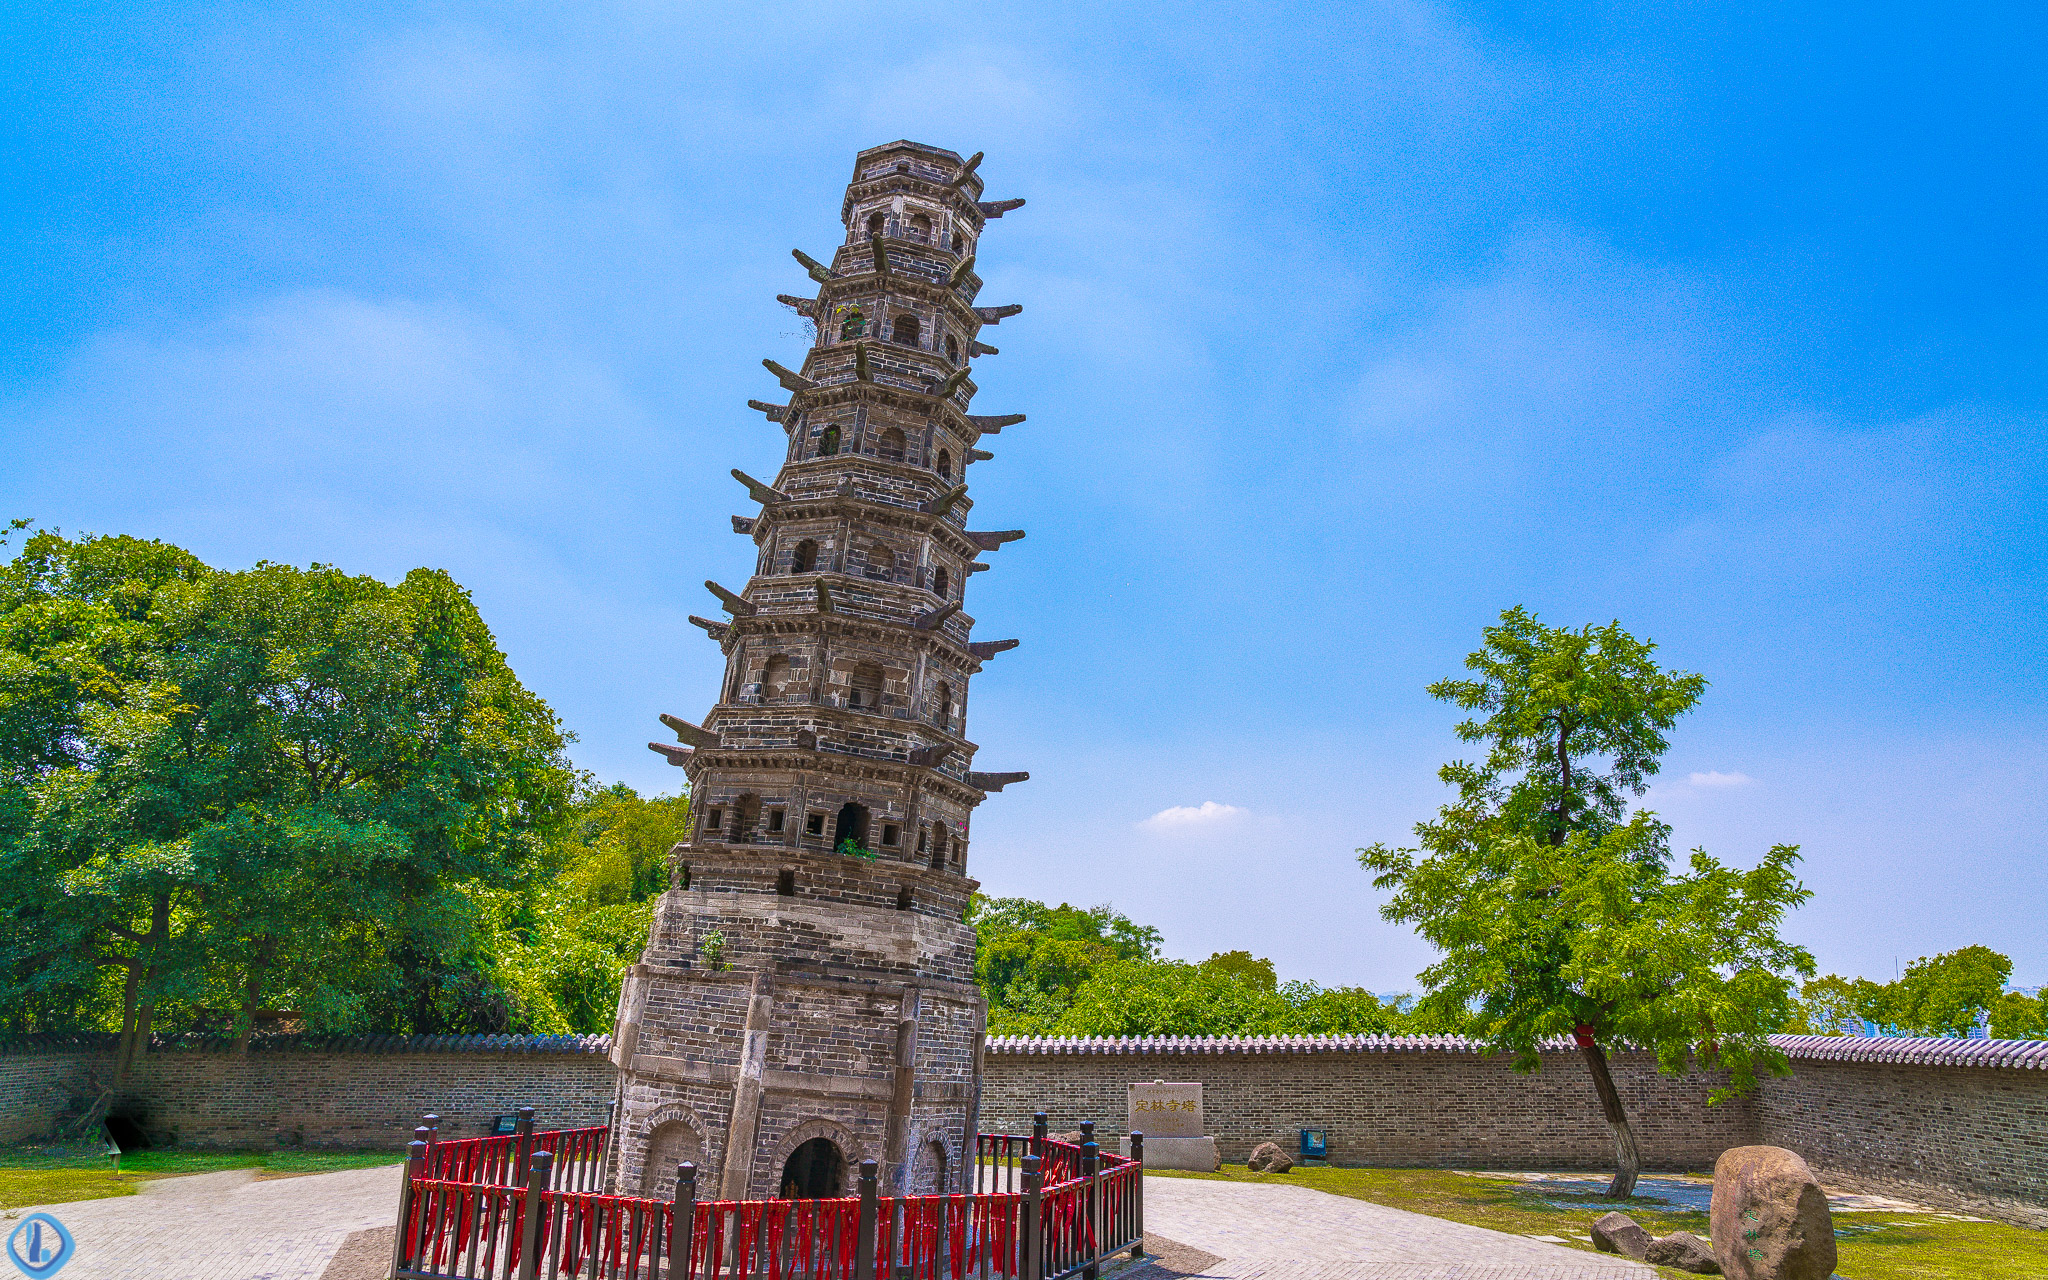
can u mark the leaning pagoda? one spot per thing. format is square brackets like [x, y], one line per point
[807, 1000]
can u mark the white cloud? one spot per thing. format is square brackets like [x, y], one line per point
[1208, 813]
[1714, 778]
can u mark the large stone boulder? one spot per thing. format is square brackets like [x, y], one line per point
[1267, 1157]
[1770, 1219]
[1684, 1250]
[1618, 1233]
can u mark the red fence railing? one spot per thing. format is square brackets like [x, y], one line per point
[521, 1207]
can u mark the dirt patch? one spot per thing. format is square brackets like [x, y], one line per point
[1170, 1259]
[365, 1255]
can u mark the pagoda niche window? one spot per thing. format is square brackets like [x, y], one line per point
[866, 689]
[814, 825]
[891, 445]
[889, 834]
[805, 558]
[944, 466]
[828, 441]
[877, 224]
[941, 582]
[905, 330]
[952, 349]
[852, 325]
[920, 228]
[775, 685]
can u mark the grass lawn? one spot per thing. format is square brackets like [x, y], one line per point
[1872, 1246]
[56, 1175]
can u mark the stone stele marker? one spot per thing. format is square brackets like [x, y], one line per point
[1170, 1117]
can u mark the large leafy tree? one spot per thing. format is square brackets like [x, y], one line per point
[239, 789]
[1944, 995]
[1555, 910]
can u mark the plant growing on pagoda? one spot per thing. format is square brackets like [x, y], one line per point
[1556, 911]
[852, 848]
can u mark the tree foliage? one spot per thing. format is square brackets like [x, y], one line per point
[1944, 995]
[1555, 911]
[1073, 972]
[282, 788]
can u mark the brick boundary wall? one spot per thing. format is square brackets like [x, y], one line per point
[1959, 1137]
[1386, 1108]
[37, 1088]
[361, 1092]
[1954, 1123]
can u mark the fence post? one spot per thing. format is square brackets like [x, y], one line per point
[522, 1143]
[415, 1164]
[433, 1127]
[1138, 1192]
[1091, 1169]
[1034, 1221]
[683, 1238]
[864, 1238]
[531, 1241]
[1039, 1128]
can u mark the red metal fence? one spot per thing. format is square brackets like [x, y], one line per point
[523, 1207]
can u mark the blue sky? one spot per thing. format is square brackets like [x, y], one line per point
[1345, 328]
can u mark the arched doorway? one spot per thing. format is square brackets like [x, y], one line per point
[814, 1171]
[852, 825]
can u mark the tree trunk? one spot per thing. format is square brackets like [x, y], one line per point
[252, 989]
[1627, 1158]
[136, 1012]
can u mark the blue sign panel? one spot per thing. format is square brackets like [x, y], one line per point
[39, 1246]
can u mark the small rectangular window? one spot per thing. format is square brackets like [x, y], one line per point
[775, 819]
[924, 839]
[714, 819]
[888, 833]
[815, 825]
[785, 882]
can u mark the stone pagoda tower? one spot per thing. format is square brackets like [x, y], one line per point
[807, 998]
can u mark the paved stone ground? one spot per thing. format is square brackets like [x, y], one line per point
[224, 1226]
[1267, 1232]
[230, 1226]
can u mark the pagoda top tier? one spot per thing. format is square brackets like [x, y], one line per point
[916, 160]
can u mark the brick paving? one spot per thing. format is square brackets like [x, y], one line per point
[230, 1226]
[1265, 1232]
[224, 1226]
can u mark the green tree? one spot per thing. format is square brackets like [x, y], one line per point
[1556, 911]
[1834, 1006]
[2019, 1015]
[1241, 964]
[1944, 995]
[1030, 958]
[246, 788]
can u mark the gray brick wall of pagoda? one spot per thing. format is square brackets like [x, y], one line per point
[806, 999]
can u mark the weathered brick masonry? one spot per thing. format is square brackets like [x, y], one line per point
[1950, 1122]
[38, 1085]
[1400, 1104]
[806, 999]
[1922, 1127]
[359, 1092]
